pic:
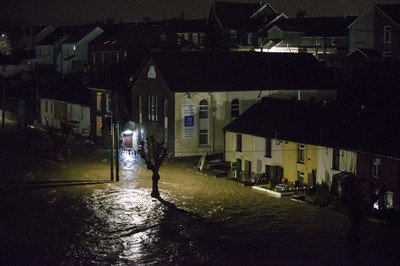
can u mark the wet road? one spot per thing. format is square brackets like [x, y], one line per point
[201, 220]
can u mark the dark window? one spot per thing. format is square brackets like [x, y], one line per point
[376, 167]
[238, 142]
[268, 147]
[235, 109]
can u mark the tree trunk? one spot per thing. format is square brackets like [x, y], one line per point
[155, 193]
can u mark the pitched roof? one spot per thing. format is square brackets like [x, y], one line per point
[392, 11]
[69, 90]
[236, 15]
[80, 34]
[316, 26]
[369, 130]
[118, 76]
[59, 33]
[241, 71]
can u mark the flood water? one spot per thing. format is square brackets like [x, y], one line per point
[201, 220]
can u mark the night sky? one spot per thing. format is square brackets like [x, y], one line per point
[71, 12]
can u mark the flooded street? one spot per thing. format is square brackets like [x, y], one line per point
[200, 220]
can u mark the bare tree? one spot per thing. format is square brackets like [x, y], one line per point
[153, 152]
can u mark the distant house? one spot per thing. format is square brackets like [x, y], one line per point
[75, 52]
[187, 98]
[64, 50]
[235, 25]
[194, 31]
[66, 101]
[375, 34]
[122, 42]
[314, 142]
[325, 37]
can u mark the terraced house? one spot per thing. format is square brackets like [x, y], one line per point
[308, 143]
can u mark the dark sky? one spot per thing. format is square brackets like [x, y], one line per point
[70, 12]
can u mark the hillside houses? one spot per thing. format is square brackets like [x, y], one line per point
[188, 81]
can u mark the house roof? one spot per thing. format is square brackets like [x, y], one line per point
[330, 26]
[237, 15]
[81, 33]
[186, 25]
[142, 36]
[69, 90]
[118, 76]
[392, 11]
[59, 33]
[316, 26]
[356, 128]
[241, 71]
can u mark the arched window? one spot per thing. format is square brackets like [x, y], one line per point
[140, 110]
[203, 117]
[235, 109]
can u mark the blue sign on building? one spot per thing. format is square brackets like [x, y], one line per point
[189, 121]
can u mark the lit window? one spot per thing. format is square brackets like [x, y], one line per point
[268, 147]
[238, 142]
[301, 153]
[335, 159]
[235, 109]
[203, 117]
[376, 165]
[387, 34]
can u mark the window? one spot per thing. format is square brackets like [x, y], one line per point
[360, 34]
[335, 159]
[376, 165]
[268, 147]
[388, 200]
[203, 117]
[152, 107]
[165, 120]
[301, 153]
[235, 109]
[387, 55]
[98, 101]
[108, 102]
[250, 38]
[333, 41]
[149, 108]
[387, 34]
[195, 38]
[239, 142]
[318, 41]
[233, 34]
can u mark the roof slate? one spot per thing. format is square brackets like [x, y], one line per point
[241, 71]
[369, 130]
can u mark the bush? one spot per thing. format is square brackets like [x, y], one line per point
[323, 196]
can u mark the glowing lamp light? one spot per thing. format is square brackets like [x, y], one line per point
[127, 132]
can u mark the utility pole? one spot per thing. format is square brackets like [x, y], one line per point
[116, 137]
[3, 114]
[112, 147]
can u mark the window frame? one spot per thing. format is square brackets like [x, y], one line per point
[335, 159]
[268, 147]
[376, 167]
[239, 142]
[387, 34]
[301, 153]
